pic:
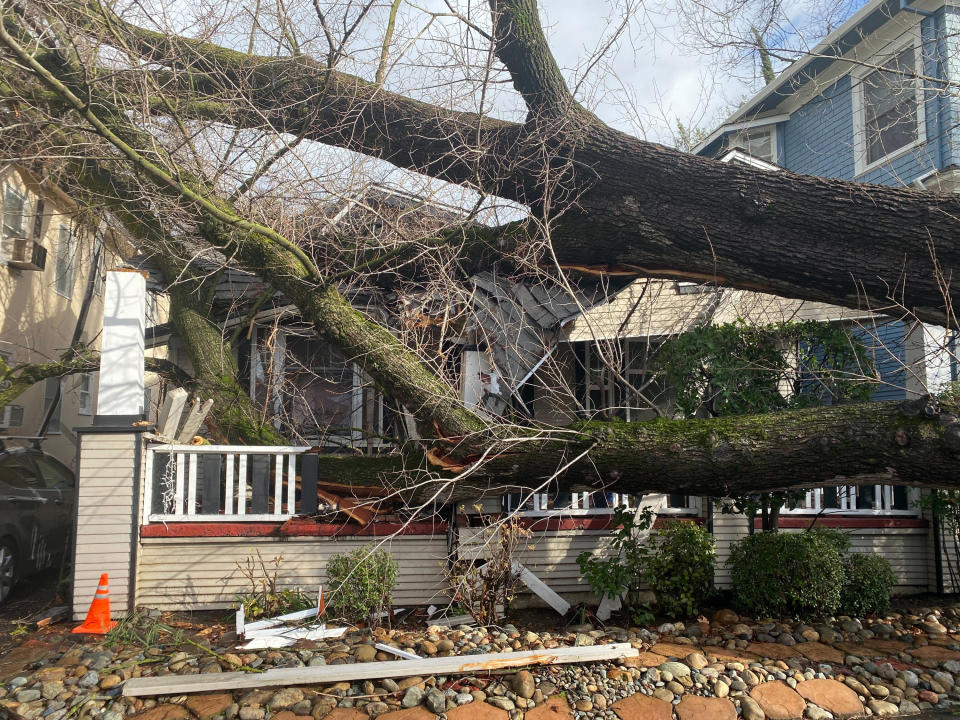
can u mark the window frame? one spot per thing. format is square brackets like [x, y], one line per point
[56, 419]
[740, 142]
[11, 188]
[812, 504]
[858, 78]
[579, 505]
[85, 396]
[60, 286]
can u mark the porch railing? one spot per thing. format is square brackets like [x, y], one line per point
[201, 483]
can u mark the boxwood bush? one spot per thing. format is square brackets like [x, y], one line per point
[679, 567]
[788, 574]
[361, 584]
[869, 580]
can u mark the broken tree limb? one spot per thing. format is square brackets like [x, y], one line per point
[328, 674]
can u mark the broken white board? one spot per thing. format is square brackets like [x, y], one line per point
[541, 589]
[196, 416]
[397, 651]
[285, 637]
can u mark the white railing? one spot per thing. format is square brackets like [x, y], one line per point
[589, 503]
[201, 483]
[847, 502]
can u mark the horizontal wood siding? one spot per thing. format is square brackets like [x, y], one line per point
[198, 573]
[907, 549]
[105, 519]
[550, 555]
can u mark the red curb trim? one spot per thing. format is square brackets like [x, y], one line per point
[291, 528]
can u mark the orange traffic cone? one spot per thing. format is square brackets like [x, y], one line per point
[98, 616]
[321, 605]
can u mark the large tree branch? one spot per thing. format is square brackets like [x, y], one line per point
[639, 207]
[266, 252]
[915, 443]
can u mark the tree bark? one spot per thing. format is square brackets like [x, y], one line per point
[640, 208]
[915, 443]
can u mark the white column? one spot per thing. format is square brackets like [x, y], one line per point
[122, 344]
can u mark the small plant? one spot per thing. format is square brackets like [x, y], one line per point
[361, 584]
[266, 598]
[621, 571]
[868, 584]
[485, 589]
[679, 568]
[788, 574]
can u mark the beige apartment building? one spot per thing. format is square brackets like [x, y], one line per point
[52, 258]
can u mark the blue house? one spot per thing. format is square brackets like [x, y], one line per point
[872, 103]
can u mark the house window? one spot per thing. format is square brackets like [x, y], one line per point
[856, 499]
[760, 143]
[887, 114]
[85, 390]
[66, 261]
[314, 392]
[618, 381]
[98, 258]
[11, 416]
[580, 504]
[51, 395]
[38, 220]
[14, 208]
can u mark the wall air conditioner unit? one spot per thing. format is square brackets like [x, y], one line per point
[24, 254]
[11, 416]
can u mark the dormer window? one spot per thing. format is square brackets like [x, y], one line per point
[760, 143]
[887, 114]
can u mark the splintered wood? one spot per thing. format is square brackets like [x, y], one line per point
[329, 674]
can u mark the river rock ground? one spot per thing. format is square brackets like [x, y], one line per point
[903, 663]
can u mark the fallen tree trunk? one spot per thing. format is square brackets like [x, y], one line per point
[915, 443]
[636, 207]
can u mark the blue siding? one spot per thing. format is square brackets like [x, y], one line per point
[818, 139]
[885, 343]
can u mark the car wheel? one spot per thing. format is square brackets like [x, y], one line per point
[8, 568]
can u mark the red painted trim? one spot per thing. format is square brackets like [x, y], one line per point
[850, 522]
[292, 528]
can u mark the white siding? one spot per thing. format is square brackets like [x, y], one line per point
[105, 519]
[195, 573]
[553, 558]
[907, 549]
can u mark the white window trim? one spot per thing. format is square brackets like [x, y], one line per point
[857, 76]
[356, 438]
[580, 499]
[771, 130]
[848, 503]
[85, 408]
[67, 292]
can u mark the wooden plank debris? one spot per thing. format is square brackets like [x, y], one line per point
[50, 616]
[168, 419]
[452, 620]
[397, 651]
[541, 589]
[285, 637]
[198, 412]
[329, 674]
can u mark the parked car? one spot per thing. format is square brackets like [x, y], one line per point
[37, 496]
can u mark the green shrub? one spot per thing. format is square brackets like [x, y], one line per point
[788, 574]
[361, 584]
[679, 567]
[868, 583]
